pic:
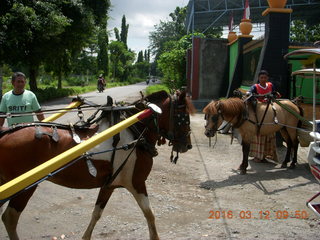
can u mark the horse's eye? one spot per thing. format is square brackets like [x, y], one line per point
[214, 118]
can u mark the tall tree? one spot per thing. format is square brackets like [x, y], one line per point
[146, 58]
[116, 34]
[124, 31]
[102, 58]
[140, 57]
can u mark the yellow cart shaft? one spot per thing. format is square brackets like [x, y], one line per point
[62, 112]
[10, 188]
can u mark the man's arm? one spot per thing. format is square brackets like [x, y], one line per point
[40, 115]
[253, 89]
[1, 121]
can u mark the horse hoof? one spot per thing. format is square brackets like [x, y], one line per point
[284, 166]
[243, 172]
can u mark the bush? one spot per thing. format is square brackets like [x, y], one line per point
[77, 81]
[52, 93]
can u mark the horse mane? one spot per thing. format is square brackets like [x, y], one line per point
[210, 108]
[157, 96]
[190, 107]
[229, 107]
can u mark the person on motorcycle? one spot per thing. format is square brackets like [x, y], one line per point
[101, 83]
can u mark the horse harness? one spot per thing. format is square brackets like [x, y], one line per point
[245, 115]
[176, 119]
[270, 101]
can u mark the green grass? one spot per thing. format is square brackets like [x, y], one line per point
[156, 88]
[49, 91]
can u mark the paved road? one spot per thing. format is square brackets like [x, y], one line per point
[126, 93]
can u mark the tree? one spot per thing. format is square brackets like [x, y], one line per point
[167, 31]
[140, 57]
[301, 32]
[27, 29]
[124, 31]
[116, 34]
[121, 60]
[102, 58]
[142, 65]
[34, 32]
[172, 62]
[147, 55]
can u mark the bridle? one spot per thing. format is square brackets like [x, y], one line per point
[215, 119]
[177, 119]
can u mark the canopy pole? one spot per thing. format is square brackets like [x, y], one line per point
[314, 96]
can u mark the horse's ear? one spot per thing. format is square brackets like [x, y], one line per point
[184, 98]
[218, 106]
[109, 101]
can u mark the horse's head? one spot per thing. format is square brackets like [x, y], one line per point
[230, 110]
[213, 118]
[174, 122]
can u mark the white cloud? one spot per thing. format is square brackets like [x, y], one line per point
[141, 15]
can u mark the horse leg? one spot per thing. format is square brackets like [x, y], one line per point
[144, 204]
[286, 137]
[11, 215]
[295, 145]
[295, 155]
[245, 154]
[103, 198]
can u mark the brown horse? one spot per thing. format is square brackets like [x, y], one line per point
[242, 117]
[24, 148]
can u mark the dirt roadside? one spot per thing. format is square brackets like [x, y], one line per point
[201, 197]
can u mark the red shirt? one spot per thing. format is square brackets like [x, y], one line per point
[262, 91]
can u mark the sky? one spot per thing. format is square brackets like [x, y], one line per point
[141, 15]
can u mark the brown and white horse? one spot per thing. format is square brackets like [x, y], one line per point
[24, 149]
[242, 117]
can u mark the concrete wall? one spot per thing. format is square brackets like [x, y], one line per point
[213, 71]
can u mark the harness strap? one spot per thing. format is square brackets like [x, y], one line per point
[275, 119]
[116, 138]
[170, 134]
[264, 115]
[111, 178]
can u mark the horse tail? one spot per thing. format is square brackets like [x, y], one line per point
[301, 112]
